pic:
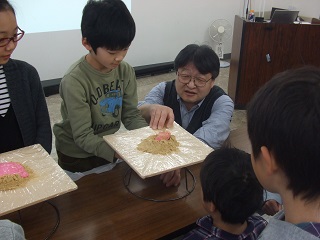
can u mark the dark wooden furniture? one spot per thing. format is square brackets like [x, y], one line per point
[315, 21]
[286, 45]
[102, 208]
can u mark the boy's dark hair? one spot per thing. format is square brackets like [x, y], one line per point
[107, 24]
[203, 58]
[228, 181]
[5, 6]
[284, 116]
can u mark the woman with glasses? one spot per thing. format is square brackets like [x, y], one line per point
[24, 117]
[192, 99]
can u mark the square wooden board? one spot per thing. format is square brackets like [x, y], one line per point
[191, 151]
[48, 181]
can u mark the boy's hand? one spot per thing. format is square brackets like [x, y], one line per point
[171, 178]
[161, 116]
[271, 207]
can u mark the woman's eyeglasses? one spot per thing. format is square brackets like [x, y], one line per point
[15, 38]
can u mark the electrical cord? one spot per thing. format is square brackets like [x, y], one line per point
[127, 178]
[247, 11]
[57, 222]
[55, 226]
[300, 50]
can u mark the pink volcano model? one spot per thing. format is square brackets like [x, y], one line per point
[11, 168]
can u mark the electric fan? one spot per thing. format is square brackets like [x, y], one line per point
[220, 30]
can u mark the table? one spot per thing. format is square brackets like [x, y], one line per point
[102, 208]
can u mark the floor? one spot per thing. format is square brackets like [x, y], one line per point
[144, 86]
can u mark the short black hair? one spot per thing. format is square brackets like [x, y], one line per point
[203, 58]
[229, 182]
[5, 6]
[284, 116]
[107, 24]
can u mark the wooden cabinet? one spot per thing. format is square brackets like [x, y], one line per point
[260, 50]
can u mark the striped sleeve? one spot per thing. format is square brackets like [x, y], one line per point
[4, 93]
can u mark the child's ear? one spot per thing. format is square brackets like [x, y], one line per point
[86, 44]
[269, 161]
[210, 206]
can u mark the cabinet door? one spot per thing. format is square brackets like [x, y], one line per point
[267, 49]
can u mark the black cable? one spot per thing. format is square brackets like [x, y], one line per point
[126, 183]
[20, 218]
[247, 9]
[300, 50]
[57, 223]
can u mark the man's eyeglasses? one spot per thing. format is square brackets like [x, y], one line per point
[198, 81]
[15, 38]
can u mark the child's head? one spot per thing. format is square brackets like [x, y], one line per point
[107, 24]
[229, 183]
[10, 33]
[284, 128]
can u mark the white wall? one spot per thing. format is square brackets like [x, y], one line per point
[164, 27]
[51, 53]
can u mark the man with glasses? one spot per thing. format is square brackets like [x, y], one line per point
[194, 102]
[192, 99]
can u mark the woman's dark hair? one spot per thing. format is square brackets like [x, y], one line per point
[5, 6]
